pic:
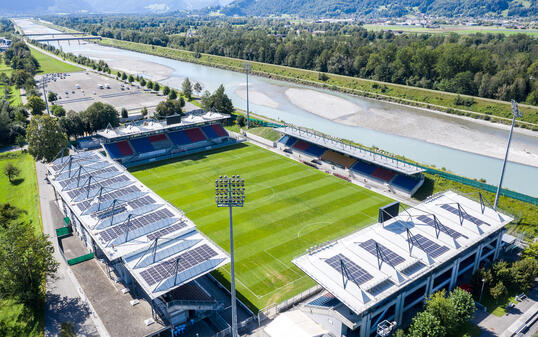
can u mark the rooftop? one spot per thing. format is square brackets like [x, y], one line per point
[153, 126]
[351, 150]
[369, 265]
[159, 245]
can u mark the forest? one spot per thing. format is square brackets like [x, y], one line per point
[488, 65]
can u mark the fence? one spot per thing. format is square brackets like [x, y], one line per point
[271, 311]
[63, 231]
[80, 259]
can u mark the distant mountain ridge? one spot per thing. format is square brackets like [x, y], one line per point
[381, 8]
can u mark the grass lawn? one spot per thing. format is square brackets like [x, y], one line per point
[49, 64]
[289, 207]
[23, 194]
[15, 93]
[445, 29]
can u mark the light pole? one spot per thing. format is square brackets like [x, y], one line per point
[247, 67]
[516, 113]
[230, 192]
[481, 290]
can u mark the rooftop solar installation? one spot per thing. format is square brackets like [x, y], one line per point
[107, 195]
[464, 214]
[447, 230]
[102, 183]
[390, 256]
[429, 247]
[184, 261]
[355, 273]
[167, 230]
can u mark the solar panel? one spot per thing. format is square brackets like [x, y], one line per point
[137, 203]
[139, 222]
[94, 173]
[393, 258]
[381, 287]
[167, 230]
[102, 183]
[410, 270]
[430, 221]
[356, 273]
[430, 247]
[108, 196]
[466, 216]
[187, 260]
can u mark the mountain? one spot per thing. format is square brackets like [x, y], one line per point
[381, 8]
[105, 6]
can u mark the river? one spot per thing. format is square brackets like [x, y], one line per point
[467, 147]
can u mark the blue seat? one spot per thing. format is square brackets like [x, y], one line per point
[405, 182]
[179, 138]
[290, 141]
[142, 145]
[113, 150]
[209, 132]
[315, 150]
[363, 167]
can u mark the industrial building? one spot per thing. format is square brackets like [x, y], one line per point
[384, 272]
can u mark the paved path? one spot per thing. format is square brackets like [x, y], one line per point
[492, 325]
[63, 299]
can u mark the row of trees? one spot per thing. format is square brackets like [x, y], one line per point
[96, 117]
[83, 60]
[485, 65]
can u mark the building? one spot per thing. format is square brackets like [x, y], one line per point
[151, 245]
[4, 43]
[384, 272]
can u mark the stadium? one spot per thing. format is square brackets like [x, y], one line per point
[144, 203]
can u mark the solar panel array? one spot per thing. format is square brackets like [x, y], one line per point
[166, 230]
[428, 246]
[447, 230]
[103, 183]
[410, 270]
[381, 287]
[356, 274]
[109, 196]
[466, 216]
[393, 258]
[187, 260]
[82, 156]
[140, 202]
[139, 222]
[76, 177]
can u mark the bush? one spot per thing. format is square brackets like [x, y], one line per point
[124, 113]
[323, 77]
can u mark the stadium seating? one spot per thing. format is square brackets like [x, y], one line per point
[142, 145]
[113, 150]
[405, 182]
[338, 158]
[157, 138]
[301, 145]
[363, 167]
[179, 138]
[315, 150]
[219, 130]
[124, 148]
[160, 141]
[209, 132]
[383, 174]
[195, 135]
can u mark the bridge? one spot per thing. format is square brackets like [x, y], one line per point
[70, 39]
[52, 34]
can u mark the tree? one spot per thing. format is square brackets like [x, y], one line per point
[166, 90]
[51, 96]
[26, 261]
[9, 213]
[143, 82]
[98, 116]
[440, 306]
[531, 251]
[124, 76]
[220, 102]
[186, 88]
[36, 104]
[156, 86]
[20, 141]
[205, 100]
[11, 171]
[181, 101]
[172, 94]
[144, 112]
[130, 79]
[58, 110]
[241, 120]
[45, 138]
[72, 124]
[124, 113]
[118, 75]
[498, 291]
[426, 325]
[198, 88]
[463, 305]
[149, 85]
[168, 108]
[524, 272]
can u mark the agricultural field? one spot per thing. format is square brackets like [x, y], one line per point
[289, 207]
[49, 64]
[445, 29]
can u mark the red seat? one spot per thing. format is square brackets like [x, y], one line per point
[157, 138]
[124, 148]
[383, 174]
[195, 135]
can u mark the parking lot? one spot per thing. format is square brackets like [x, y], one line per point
[77, 91]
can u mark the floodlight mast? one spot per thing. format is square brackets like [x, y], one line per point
[247, 67]
[230, 192]
[516, 113]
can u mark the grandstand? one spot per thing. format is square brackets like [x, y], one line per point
[149, 141]
[385, 271]
[356, 162]
[153, 248]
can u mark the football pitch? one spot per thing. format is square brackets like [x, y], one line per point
[289, 207]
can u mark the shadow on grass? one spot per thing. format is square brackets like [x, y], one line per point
[196, 156]
[425, 190]
[17, 181]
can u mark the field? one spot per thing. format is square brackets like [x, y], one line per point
[15, 94]
[445, 29]
[289, 207]
[49, 64]
[22, 193]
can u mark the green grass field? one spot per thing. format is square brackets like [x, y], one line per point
[289, 207]
[445, 29]
[15, 93]
[23, 194]
[48, 64]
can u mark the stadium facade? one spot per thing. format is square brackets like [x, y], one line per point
[384, 272]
